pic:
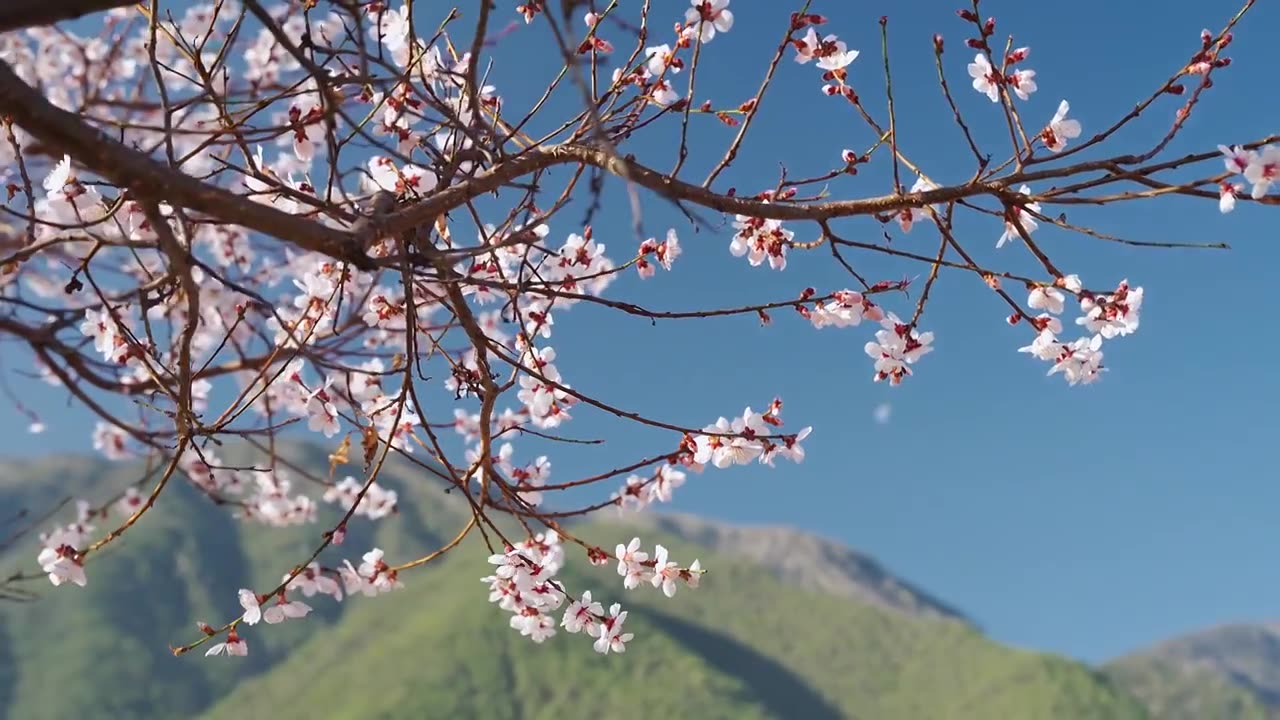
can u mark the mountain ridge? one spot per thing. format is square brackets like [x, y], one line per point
[1238, 662]
[832, 566]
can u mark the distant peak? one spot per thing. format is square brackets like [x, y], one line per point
[806, 561]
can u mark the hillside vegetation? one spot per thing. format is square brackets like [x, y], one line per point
[785, 625]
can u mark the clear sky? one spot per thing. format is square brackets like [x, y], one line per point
[1088, 521]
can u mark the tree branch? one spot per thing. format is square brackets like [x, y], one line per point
[626, 167]
[141, 174]
[18, 14]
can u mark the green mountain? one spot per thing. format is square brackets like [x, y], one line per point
[785, 625]
[1226, 673]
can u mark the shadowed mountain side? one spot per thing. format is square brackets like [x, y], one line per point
[780, 692]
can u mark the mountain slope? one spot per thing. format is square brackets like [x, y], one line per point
[804, 561]
[758, 639]
[743, 645]
[1230, 672]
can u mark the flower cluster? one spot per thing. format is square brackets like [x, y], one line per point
[1105, 316]
[61, 560]
[312, 580]
[639, 492]
[1060, 129]
[61, 554]
[372, 577]
[525, 479]
[664, 253]
[1019, 216]
[277, 611]
[831, 54]
[378, 501]
[270, 502]
[897, 346]
[988, 80]
[745, 438]
[68, 201]
[907, 217]
[706, 18]
[637, 568]
[545, 395]
[760, 239]
[846, 308]
[232, 646]
[1260, 168]
[523, 584]
[703, 22]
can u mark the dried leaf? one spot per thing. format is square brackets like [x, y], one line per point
[370, 444]
[341, 456]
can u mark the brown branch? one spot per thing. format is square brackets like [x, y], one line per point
[625, 166]
[138, 172]
[19, 14]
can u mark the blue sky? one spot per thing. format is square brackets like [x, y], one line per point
[1087, 521]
